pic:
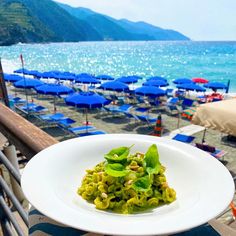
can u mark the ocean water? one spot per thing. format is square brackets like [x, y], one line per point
[215, 61]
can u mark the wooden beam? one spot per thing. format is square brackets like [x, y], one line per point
[27, 138]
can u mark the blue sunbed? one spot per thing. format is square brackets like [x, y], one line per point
[146, 118]
[66, 122]
[79, 129]
[184, 138]
[96, 132]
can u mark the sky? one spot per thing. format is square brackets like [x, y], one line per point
[197, 19]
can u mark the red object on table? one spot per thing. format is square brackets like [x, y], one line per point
[200, 80]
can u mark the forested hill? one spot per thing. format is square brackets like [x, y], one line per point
[39, 21]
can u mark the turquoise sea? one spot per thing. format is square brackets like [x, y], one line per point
[215, 61]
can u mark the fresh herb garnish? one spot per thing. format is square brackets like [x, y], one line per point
[142, 184]
[116, 170]
[118, 155]
[151, 160]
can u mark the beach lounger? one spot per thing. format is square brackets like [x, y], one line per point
[142, 109]
[188, 113]
[121, 109]
[51, 118]
[131, 116]
[171, 105]
[96, 132]
[217, 153]
[66, 122]
[57, 116]
[187, 103]
[147, 119]
[183, 138]
[80, 129]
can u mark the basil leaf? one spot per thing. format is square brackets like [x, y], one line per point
[116, 170]
[151, 160]
[142, 184]
[117, 154]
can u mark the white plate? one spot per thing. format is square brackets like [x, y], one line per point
[204, 186]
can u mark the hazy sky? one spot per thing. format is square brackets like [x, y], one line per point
[198, 19]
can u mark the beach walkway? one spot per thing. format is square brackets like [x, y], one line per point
[187, 130]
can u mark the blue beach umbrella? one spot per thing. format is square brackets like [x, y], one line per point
[28, 83]
[104, 77]
[54, 90]
[65, 77]
[128, 79]
[87, 100]
[31, 72]
[87, 79]
[12, 78]
[21, 71]
[156, 83]
[157, 78]
[191, 86]
[114, 86]
[215, 85]
[182, 81]
[149, 91]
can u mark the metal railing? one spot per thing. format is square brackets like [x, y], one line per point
[7, 217]
[29, 140]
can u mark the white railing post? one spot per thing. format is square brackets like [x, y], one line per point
[10, 152]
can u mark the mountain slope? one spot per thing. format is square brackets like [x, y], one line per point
[151, 30]
[104, 25]
[17, 22]
[122, 29]
[41, 21]
[61, 22]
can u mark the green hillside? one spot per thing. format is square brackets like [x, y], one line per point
[124, 29]
[39, 21]
[17, 22]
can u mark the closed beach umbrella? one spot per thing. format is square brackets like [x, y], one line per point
[182, 81]
[215, 85]
[114, 86]
[104, 77]
[191, 86]
[12, 78]
[54, 90]
[87, 100]
[157, 78]
[158, 126]
[150, 91]
[128, 79]
[200, 80]
[156, 83]
[28, 83]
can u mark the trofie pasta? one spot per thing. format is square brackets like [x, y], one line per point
[127, 183]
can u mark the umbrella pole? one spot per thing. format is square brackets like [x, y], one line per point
[178, 123]
[204, 135]
[54, 104]
[26, 95]
[86, 116]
